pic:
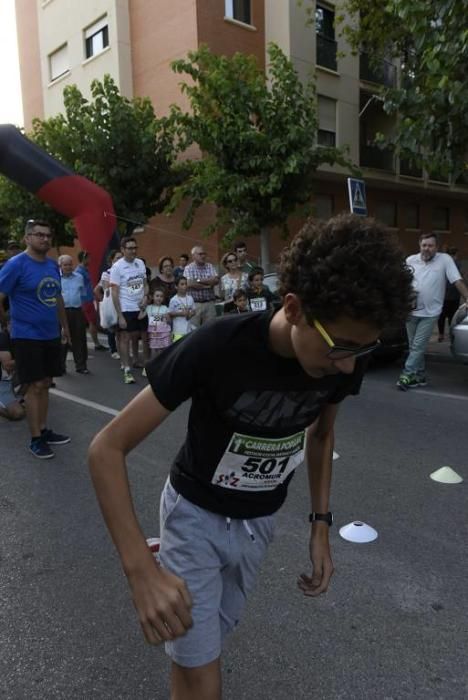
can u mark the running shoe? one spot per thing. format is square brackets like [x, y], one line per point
[52, 438]
[99, 348]
[406, 382]
[421, 380]
[128, 377]
[83, 371]
[40, 449]
[115, 356]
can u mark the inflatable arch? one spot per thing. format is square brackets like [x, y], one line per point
[74, 196]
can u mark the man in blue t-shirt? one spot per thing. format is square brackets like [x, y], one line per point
[31, 281]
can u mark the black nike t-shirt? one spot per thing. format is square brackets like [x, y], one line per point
[250, 409]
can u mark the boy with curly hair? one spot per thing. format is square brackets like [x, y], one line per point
[265, 391]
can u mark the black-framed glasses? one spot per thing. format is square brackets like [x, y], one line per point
[38, 234]
[231, 260]
[340, 352]
[133, 247]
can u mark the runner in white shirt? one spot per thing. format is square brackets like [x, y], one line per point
[129, 287]
[181, 309]
[431, 270]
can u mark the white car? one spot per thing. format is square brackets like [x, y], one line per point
[459, 334]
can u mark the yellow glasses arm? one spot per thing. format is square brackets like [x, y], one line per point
[324, 333]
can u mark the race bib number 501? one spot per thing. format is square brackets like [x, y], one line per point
[258, 464]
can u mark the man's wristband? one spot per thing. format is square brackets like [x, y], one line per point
[321, 517]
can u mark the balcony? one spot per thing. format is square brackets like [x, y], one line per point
[410, 169]
[326, 52]
[384, 74]
[377, 158]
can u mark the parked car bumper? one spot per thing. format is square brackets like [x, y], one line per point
[459, 335]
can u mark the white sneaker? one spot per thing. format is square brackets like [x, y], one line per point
[143, 372]
[115, 356]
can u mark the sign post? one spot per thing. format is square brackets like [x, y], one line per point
[357, 196]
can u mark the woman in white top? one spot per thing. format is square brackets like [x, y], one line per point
[233, 279]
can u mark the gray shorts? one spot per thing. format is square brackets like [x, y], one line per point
[7, 396]
[218, 559]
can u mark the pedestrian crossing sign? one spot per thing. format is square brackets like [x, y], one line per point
[357, 196]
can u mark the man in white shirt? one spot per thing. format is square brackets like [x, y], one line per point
[431, 271]
[129, 288]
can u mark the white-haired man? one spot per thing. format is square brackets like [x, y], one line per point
[73, 293]
[202, 278]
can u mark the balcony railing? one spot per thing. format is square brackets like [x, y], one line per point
[374, 157]
[384, 74]
[326, 52]
[410, 169]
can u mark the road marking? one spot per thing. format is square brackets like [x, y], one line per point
[85, 402]
[440, 394]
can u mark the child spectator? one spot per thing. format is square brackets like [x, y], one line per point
[181, 310]
[260, 297]
[240, 301]
[159, 329]
[10, 406]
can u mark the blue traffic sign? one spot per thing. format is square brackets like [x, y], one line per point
[357, 196]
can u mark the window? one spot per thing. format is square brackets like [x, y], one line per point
[386, 212]
[239, 10]
[441, 218]
[326, 44]
[327, 121]
[96, 37]
[412, 216]
[324, 206]
[58, 62]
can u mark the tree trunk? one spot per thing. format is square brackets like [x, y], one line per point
[265, 249]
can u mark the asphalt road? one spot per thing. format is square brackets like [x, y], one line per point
[393, 625]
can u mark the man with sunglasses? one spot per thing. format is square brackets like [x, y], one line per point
[31, 280]
[129, 289]
[265, 391]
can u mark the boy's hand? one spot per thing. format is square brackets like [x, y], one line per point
[162, 602]
[322, 565]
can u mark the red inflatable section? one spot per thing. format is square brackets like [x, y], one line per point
[92, 212]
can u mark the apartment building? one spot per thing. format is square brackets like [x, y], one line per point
[63, 42]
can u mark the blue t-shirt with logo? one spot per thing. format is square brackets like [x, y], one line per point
[33, 288]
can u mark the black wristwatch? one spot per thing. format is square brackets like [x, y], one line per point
[324, 517]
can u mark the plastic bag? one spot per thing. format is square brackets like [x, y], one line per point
[107, 314]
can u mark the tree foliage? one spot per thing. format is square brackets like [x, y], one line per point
[115, 142]
[257, 136]
[430, 42]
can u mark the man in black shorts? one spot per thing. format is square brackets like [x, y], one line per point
[265, 391]
[129, 288]
[31, 281]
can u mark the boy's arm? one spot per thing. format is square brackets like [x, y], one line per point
[319, 459]
[161, 599]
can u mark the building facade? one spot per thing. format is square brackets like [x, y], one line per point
[63, 42]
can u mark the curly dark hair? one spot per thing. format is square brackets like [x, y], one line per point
[348, 266]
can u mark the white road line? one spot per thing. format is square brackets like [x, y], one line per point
[440, 394]
[84, 402]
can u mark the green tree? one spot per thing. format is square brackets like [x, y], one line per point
[430, 103]
[17, 205]
[258, 139]
[115, 142]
